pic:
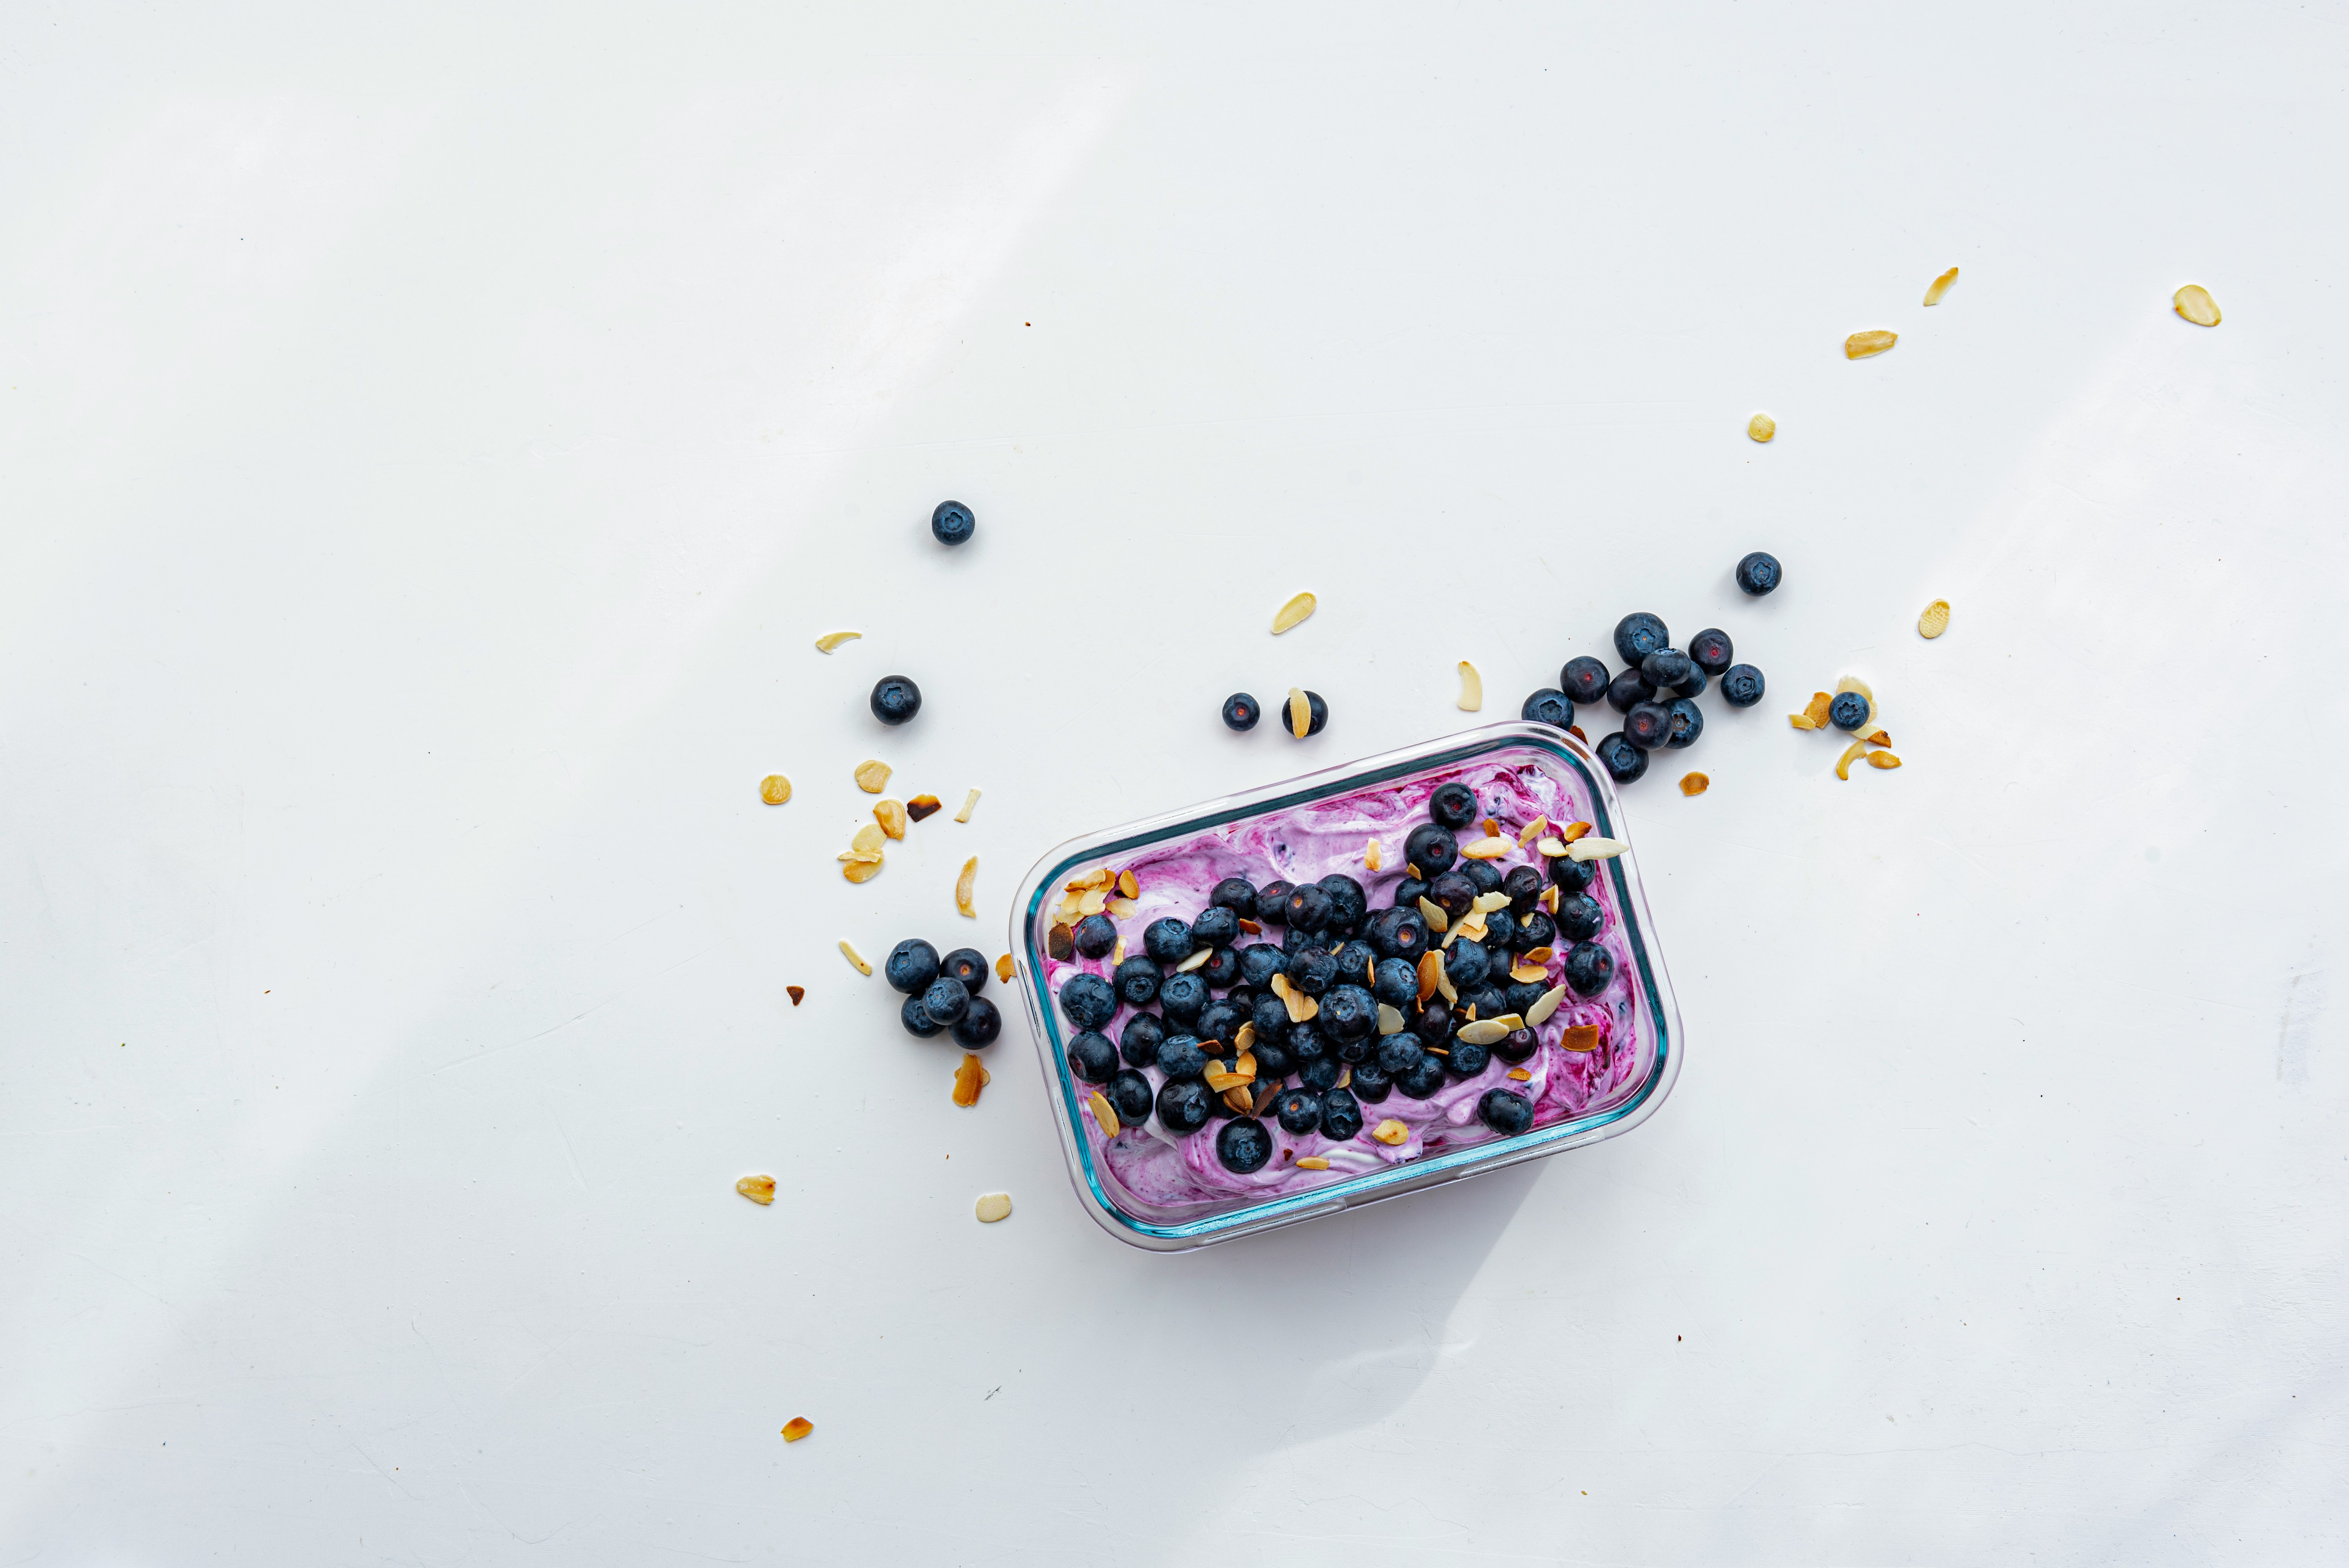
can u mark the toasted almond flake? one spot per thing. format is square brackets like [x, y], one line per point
[1302, 1009]
[1491, 849]
[1129, 884]
[1525, 834]
[1292, 613]
[1117, 951]
[872, 776]
[1761, 427]
[991, 1207]
[968, 1079]
[1694, 783]
[1551, 846]
[2194, 302]
[963, 885]
[1196, 960]
[1486, 902]
[1939, 286]
[1439, 1050]
[1244, 1066]
[1818, 710]
[1370, 971]
[1492, 829]
[1345, 1079]
[1548, 899]
[1538, 954]
[1875, 735]
[760, 1190]
[1867, 345]
[1411, 868]
[1312, 1162]
[1098, 877]
[1389, 1020]
[1120, 907]
[1390, 1132]
[854, 958]
[1265, 1093]
[1851, 754]
[1105, 1115]
[868, 840]
[795, 1428]
[1003, 968]
[1579, 1037]
[891, 815]
[1483, 1032]
[1244, 1038]
[1521, 1075]
[1538, 1014]
[921, 805]
[1372, 857]
[831, 640]
[1059, 943]
[1300, 712]
[1091, 902]
[1596, 848]
[798, 994]
[1472, 687]
[774, 788]
[860, 857]
[1932, 624]
[1527, 974]
[1472, 927]
[1450, 937]
[1800, 721]
[968, 802]
[1431, 972]
[1882, 760]
[1574, 830]
[1252, 927]
[1433, 913]
[1240, 1099]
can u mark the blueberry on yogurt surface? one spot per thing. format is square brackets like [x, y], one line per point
[1298, 1110]
[1452, 805]
[1244, 1145]
[1130, 1096]
[1096, 935]
[1185, 1105]
[1432, 849]
[1168, 940]
[895, 699]
[1505, 1113]
[1141, 1039]
[1589, 967]
[1091, 1057]
[1237, 894]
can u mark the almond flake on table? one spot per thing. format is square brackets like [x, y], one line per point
[1940, 286]
[831, 640]
[968, 802]
[854, 958]
[1293, 613]
[1472, 688]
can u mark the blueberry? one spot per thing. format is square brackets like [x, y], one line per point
[1222, 968]
[1432, 849]
[1221, 1020]
[1535, 930]
[1179, 1056]
[1091, 1057]
[1741, 687]
[1580, 917]
[1548, 705]
[1182, 998]
[1088, 1001]
[1453, 805]
[1710, 651]
[1517, 1045]
[1136, 980]
[1397, 1052]
[945, 998]
[978, 1025]
[1584, 679]
[1487, 997]
[1348, 1013]
[1400, 933]
[1341, 1116]
[1422, 1078]
[1272, 902]
[1589, 967]
[1648, 725]
[1396, 983]
[1409, 892]
[1466, 963]
[1319, 1073]
[1452, 893]
[1348, 902]
[1432, 1023]
[911, 965]
[918, 1023]
[1312, 971]
[1167, 940]
[967, 964]
[1848, 711]
[1758, 573]
[1144, 1032]
[895, 699]
[1467, 1059]
[1638, 634]
[1298, 1110]
[1307, 1043]
[952, 523]
[1129, 1095]
[1237, 894]
[1308, 909]
[1260, 961]
[1273, 1061]
[1624, 761]
[1572, 875]
[1317, 715]
[1354, 1052]
[1688, 723]
[1505, 1113]
[1096, 935]
[1482, 875]
[1270, 1014]
[1240, 711]
[1520, 996]
[1500, 929]
[1667, 667]
[1356, 961]
[1294, 942]
[1216, 927]
[1184, 1105]
[1692, 687]
[1371, 1084]
[1627, 689]
[1244, 1145]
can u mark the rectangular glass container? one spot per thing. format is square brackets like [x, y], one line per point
[1243, 834]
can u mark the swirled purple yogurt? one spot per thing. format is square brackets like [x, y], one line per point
[1302, 844]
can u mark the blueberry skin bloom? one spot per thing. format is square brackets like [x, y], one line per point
[1518, 1046]
[1466, 963]
[1398, 1052]
[1137, 981]
[1260, 961]
[1312, 971]
[1298, 1110]
[1409, 892]
[1222, 1021]
[1758, 574]
[1086, 999]
[1243, 1146]
[1348, 901]
[1467, 1059]
[979, 1025]
[1096, 934]
[1399, 934]
[911, 965]
[968, 965]
[1523, 885]
[1424, 1077]
[895, 699]
[1348, 1013]
[1240, 712]
[1453, 805]
[1589, 967]
[1237, 894]
[1139, 1042]
[1182, 997]
[1179, 1056]
[1501, 930]
[1452, 892]
[1482, 875]
[1168, 940]
[947, 999]
[1272, 902]
[1185, 1105]
[918, 1023]
[1308, 909]
[1848, 711]
[1432, 1024]
[1129, 1095]
[1432, 849]
[1222, 968]
[1627, 688]
[1091, 1057]
[1688, 723]
[1648, 725]
[1741, 687]
[1624, 763]
[1710, 651]
[1371, 1084]
[1638, 634]
[1216, 927]
[1572, 875]
[1341, 1118]
[1585, 679]
[953, 523]
[1355, 961]
[1273, 1061]
[1396, 982]
[1580, 917]
[1505, 1113]
[1667, 667]
[1548, 705]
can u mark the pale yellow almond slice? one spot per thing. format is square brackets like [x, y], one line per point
[1882, 760]
[1390, 1132]
[1527, 974]
[1219, 1078]
[1521, 1075]
[795, 1428]
[1851, 754]
[1104, 1114]
[1472, 687]
[1003, 968]
[1117, 951]
[1935, 620]
[1292, 613]
[1244, 1040]
[1431, 975]
[968, 802]
[1483, 1032]
[1525, 834]
[2194, 302]
[1198, 960]
[1129, 884]
[758, 1189]
[1444, 986]
[1800, 721]
[1486, 902]
[868, 840]
[861, 871]
[1761, 427]
[774, 788]
[1300, 712]
[1120, 907]
[1491, 849]
[1538, 1014]
[1939, 286]
[1099, 876]
[1553, 847]
[1538, 954]
[1580, 1038]
[1573, 830]
[831, 640]
[1239, 1099]
[1594, 848]
[1389, 1020]
[1374, 858]
[1548, 899]
[872, 776]
[1312, 1162]
[891, 815]
[1867, 345]
[963, 885]
[992, 1206]
[1433, 913]
[1243, 1067]
[1694, 783]
[1818, 710]
[1093, 901]
[860, 857]
[854, 958]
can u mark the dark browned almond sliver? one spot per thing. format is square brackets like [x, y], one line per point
[1059, 943]
[796, 993]
[921, 805]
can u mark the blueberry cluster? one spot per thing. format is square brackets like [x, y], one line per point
[943, 993]
[1350, 959]
[1656, 692]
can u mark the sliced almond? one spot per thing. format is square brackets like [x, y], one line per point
[1486, 902]
[1197, 959]
[860, 857]
[921, 805]
[795, 1428]
[992, 1207]
[854, 958]
[1552, 847]
[1093, 901]
[2194, 302]
[798, 994]
[1761, 427]
[1939, 286]
[1444, 986]
[1596, 848]
[1472, 928]
[1389, 1020]
[1390, 1132]
[1491, 849]
[1800, 721]
[831, 640]
[1548, 899]
[1098, 877]
[1521, 1075]
[1372, 859]
[1060, 944]
[1932, 624]
[1538, 1014]
[1302, 1008]
[1244, 1038]
[1265, 1093]
[1527, 974]
[1851, 754]
[1243, 1067]
[1817, 713]
[1525, 834]
[1120, 907]
[1492, 829]
[1345, 1079]
[774, 788]
[1370, 972]
[1882, 760]
[1292, 613]
[1867, 345]
[963, 885]
[1117, 951]
[1431, 974]
[1574, 830]
[1241, 1100]
[1433, 913]
[891, 815]
[1128, 883]
[1472, 687]
[968, 802]
[1252, 927]
[1312, 1162]
[1104, 1114]
[1483, 1032]
[1579, 1037]
[868, 840]
[758, 1189]
[872, 776]
[1694, 783]
[1003, 968]
[1875, 735]
[968, 1079]
[1538, 954]
[1300, 712]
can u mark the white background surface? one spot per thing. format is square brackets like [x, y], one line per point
[433, 439]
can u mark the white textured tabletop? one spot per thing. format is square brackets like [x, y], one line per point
[433, 439]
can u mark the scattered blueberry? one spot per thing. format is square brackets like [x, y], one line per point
[1260, 961]
[1423, 1077]
[1216, 927]
[1088, 1001]
[1399, 934]
[1396, 982]
[1848, 711]
[1091, 1057]
[1308, 909]
[1638, 634]
[1517, 1045]
[1240, 711]
[1181, 1057]
[1348, 1013]
[1666, 667]
[1243, 1146]
[1694, 686]
[1182, 998]
[952, 523]
[1096, 934]
[1548, 705]
[1272, 902]
[1466, 963]
[1486, 997]
[918, 1023]
[1467, 1059]
[1523, 885]
[1432, 849]
[1139, 1042]
[1710, 650]
[1688, 723]
[1298, 1110]
[1317, 715]
[1535, 930]
[1321, 1072]
[1184, 1105]
[1648, 725]
[1306, 1042]
[1585, 679]
[1129, 1095]
[1758, 573]
[1505, 1113]
[1312, 971]
[1371, 1084]
[1741, 686]
[1342, 1117]
[1355, 961]
[1580, 916]
[979, 1025]
[1355, 1051]
[1222, 968]
[895, 699]
[1270, 1016]
[1624, 760]
[1589, 967]
[1294, 941]
[968, 965]
[1237, 894]
[1627, 688]
[1452, 893]
[1168, 940]
[1572, 875]
[911, 965]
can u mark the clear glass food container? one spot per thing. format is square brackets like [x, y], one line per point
[1170, 1193]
